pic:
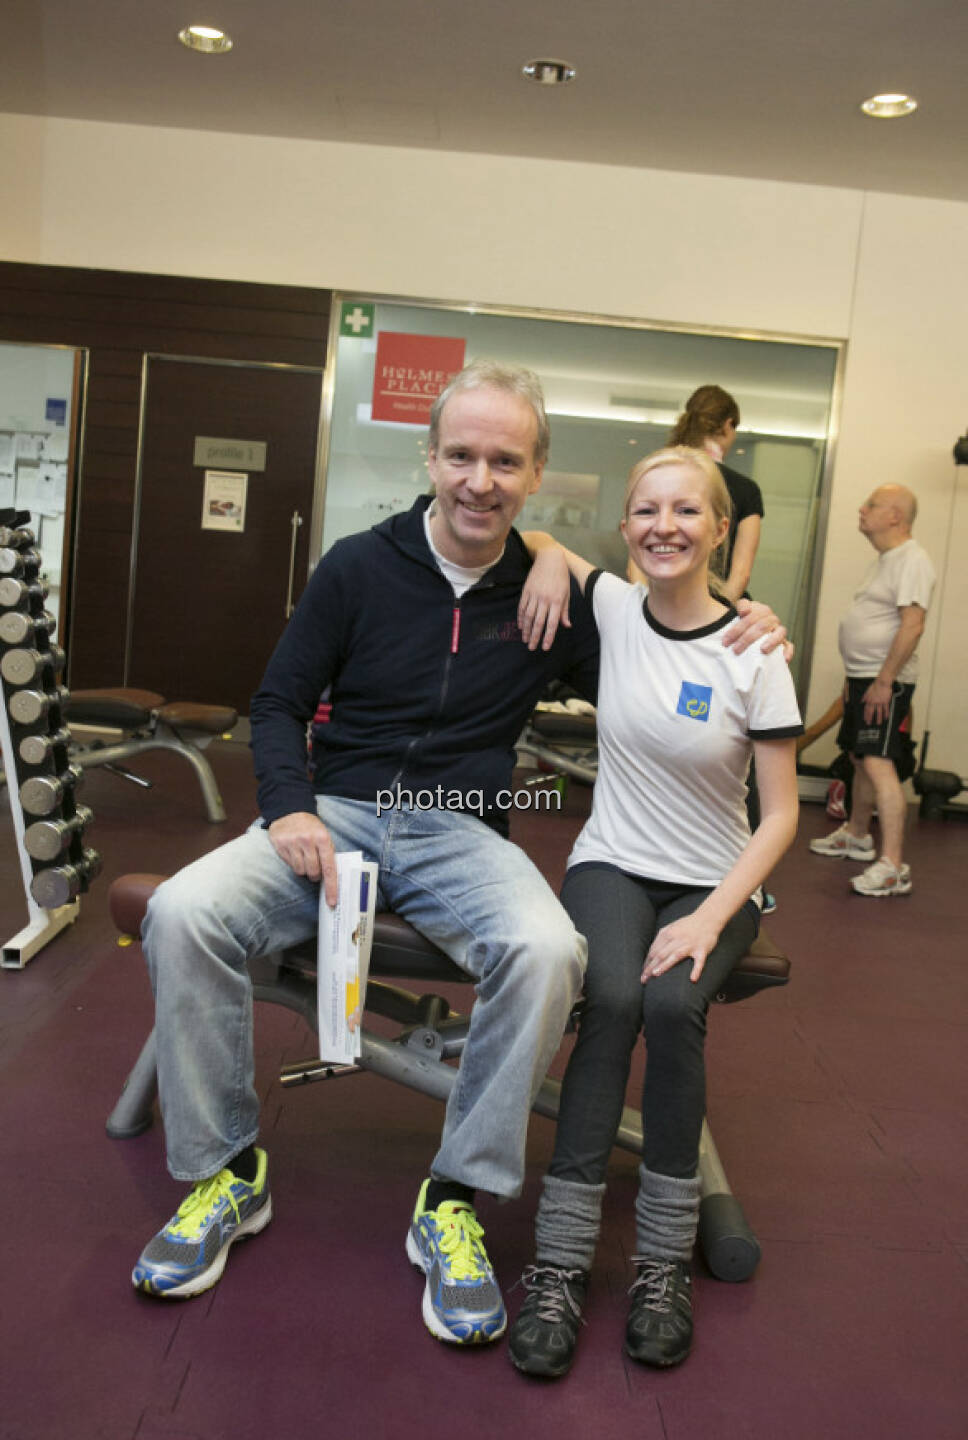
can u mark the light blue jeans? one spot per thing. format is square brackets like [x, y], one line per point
[475, 895]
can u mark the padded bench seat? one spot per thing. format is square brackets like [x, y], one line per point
[123, 709]
[400, 952]
[117, 709]
[565, 725]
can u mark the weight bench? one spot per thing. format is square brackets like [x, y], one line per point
[430, 1034]
[564, 740]
[148, 722]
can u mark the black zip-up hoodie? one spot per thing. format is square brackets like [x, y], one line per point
[427, 691]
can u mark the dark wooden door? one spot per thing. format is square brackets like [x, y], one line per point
[210, 604]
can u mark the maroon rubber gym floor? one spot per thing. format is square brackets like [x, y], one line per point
[838, 1106]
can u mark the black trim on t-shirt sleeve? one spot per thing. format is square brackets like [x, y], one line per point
[784, 732]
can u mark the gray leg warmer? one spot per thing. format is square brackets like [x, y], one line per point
[568, 1222]
[666, 1215]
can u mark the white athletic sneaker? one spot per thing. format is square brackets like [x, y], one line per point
[840, 844]
[883, 878]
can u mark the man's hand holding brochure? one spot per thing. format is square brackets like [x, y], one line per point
[345, 940]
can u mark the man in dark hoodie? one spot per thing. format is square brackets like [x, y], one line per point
[411, 630]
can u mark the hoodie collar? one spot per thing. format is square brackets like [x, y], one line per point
[405, 531]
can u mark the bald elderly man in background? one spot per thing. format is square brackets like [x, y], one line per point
[878, 639]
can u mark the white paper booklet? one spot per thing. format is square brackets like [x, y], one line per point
[345, 940]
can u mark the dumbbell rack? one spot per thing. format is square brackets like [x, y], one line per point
[48, 823]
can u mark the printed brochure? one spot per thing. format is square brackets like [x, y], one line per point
[345, 940]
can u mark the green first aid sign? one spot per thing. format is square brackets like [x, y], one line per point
[356, 320]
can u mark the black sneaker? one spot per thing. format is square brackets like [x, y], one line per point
[659, 1329]
[543, 1337]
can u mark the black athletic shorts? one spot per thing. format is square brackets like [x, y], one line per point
[891, 738]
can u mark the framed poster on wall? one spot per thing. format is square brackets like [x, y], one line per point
[223, 500]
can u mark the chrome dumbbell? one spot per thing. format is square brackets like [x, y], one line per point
[48, 839]
[43, 793]
[63, 883]
[18, 538]
[19, 628]
[27, 707]
[38, 749]
[16, 594]
[23, 667]
[23, 563]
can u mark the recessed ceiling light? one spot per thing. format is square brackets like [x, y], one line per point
[206, 39]
[889, 107]
[548, 72]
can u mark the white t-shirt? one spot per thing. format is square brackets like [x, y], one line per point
[677, 712]
[902, 576]
[461, 577]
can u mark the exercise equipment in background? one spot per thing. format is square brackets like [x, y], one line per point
[119, 725]
[937, 789]
[56, 865]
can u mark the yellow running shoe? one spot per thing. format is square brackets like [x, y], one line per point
[189, 1254]
[461, 1303]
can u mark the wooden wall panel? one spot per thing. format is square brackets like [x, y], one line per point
[119, 317]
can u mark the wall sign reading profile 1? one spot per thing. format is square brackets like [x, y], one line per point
[248, 453]
[410, 372]
[223, 500]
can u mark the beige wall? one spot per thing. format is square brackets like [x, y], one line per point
[886, 272]
[22, 183]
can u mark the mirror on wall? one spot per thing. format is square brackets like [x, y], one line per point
[40, 400]
[614, 391]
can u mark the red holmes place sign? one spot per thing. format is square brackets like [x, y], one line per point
[411, 371]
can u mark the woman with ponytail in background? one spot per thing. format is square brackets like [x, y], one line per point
[709, 422]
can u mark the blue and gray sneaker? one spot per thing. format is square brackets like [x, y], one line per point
[461, 1302]
[189, 1254]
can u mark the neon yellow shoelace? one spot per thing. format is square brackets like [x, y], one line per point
[460, 1234]
[199, 1203]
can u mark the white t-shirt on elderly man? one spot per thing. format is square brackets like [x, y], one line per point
[898, 577]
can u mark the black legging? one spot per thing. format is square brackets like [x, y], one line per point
[619, 915]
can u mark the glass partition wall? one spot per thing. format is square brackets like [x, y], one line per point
[614, 390]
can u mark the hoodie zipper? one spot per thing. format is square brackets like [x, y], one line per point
[444, 686]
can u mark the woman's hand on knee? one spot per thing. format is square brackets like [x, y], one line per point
[690, 938]
[302, 840]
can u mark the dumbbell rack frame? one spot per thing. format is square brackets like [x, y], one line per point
[42, 925]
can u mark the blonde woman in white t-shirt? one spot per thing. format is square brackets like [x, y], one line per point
[663, 882]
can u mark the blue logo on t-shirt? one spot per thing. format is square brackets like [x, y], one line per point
[695, 700]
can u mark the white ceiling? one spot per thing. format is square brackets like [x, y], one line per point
[761, 88]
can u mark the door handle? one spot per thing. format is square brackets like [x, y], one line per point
[295, 522]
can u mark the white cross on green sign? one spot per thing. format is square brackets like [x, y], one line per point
[356, 319]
